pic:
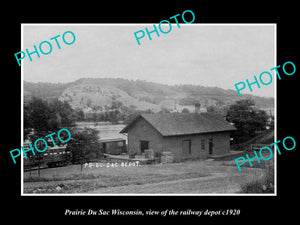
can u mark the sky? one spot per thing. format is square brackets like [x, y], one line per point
[213, 55]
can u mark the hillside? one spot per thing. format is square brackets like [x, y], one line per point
[101, 94]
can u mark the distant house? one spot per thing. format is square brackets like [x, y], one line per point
[186, 135]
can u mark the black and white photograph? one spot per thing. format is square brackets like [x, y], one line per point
[159, 113]
[131, 109]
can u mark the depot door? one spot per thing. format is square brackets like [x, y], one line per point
[210, 146]
[144, 145]
[186, 147]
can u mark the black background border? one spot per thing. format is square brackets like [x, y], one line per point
[256, 209]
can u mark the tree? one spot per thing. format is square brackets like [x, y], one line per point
[42, 117]
[247, 119]
[211, 108]
[185, 110]
[62, 113]
[129, 118]
[89, 102]
[36, 117]
[113, 116]
[116, 105]
[222, 110]
[27, 120]
[164, 110]
[79, 114]
[85, 146]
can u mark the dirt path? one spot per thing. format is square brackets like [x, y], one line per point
[217, 183]
[179, 178]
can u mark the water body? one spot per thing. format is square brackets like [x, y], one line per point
[106, 130]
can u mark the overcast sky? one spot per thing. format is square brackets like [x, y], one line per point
[207, 54]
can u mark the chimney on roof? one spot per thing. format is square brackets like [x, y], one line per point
[197, 107]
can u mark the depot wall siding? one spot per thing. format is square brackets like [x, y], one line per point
[141, 130]
[221, 145]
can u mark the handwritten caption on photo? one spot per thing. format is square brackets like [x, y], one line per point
[112, 165]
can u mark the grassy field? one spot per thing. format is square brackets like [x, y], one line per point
[199, 176]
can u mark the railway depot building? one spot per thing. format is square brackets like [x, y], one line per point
[185, 135]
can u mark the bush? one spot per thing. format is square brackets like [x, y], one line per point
[262, 185]
[247, 119]
[85, 146]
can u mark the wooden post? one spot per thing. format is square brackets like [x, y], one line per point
[39, 171]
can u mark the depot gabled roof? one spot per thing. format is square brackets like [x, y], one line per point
[173, 124]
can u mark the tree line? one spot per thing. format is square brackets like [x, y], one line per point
[43, 117]
[47, 116]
